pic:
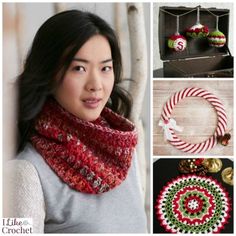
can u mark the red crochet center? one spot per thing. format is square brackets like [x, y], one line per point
[198, 202]
[189, 189]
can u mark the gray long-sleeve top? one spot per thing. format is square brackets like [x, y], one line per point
[40, 194]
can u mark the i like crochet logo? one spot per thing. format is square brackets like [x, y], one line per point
[17, 226]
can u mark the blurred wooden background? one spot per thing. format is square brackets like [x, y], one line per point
[195, 115]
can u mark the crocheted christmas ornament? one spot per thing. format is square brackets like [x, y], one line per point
[91, 157]
[197, 31]
[169, 124]
[177, 42]
[193, 204]
[216, 39]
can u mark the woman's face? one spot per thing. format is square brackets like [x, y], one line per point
[89, 80]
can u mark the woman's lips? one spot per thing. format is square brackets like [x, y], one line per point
[92, 103]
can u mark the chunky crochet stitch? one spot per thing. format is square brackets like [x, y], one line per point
[91, 157]
[193, 204]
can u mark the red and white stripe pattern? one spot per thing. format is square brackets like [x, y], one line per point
[221, 125]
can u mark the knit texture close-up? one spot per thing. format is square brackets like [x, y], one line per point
[91, 157]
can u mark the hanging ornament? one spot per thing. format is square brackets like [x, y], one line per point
[177, 42]
[216, 38]
[198, 30]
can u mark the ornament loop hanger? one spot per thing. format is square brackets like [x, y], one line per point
[198, 15]
[177, 24]
[217, 23]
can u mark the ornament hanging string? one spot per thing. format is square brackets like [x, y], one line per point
[217, 23]
[196, 8]
[198, 15]
[226, 14]
[177, 25]
[175, 15]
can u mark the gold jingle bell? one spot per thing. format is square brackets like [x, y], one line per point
[228, 175]
[212, 164]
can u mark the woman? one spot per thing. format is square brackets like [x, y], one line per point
[76, 162]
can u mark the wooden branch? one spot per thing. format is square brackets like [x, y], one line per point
[20, 32]
[121, 29]
[59, 7]
[139, 72]
[139, 75]
[10, 71]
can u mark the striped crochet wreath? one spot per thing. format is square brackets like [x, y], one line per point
[193, 204]
[169, 124]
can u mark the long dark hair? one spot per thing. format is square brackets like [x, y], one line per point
[53, 48]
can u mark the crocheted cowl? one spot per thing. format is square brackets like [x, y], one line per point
[91, 157]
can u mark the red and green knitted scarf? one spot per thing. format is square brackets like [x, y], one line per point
[91, 157]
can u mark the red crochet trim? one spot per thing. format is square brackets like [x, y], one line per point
[217, 37]
[203, 29]
[91, 157]
[177, 36]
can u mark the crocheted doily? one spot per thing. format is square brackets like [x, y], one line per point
[193, 204]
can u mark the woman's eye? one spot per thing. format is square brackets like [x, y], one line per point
[107, 68]
[79, 68]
